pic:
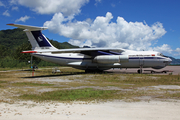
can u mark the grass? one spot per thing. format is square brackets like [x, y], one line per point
[71, 95]
[31, 84]
[85, 87]
[174, 96]
[137, 80]
[1, 83]
[170, 94]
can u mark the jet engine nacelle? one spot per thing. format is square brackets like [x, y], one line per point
[111, 59]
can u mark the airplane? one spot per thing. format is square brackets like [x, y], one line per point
[91, 59]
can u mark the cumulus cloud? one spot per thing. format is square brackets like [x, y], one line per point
[113, 5]
[102, 32]
[6, 13]
[23, 19]
[177, 52]
[165, 48]
[15, 8]
[67, 7]
[97, 1]
[1, 4]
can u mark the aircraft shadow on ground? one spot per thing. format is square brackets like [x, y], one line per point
[80, 73]
[67, 74]
[55, 75]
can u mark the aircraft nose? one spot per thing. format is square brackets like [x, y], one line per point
[168, 61]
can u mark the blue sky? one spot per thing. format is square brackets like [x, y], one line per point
[129, 24]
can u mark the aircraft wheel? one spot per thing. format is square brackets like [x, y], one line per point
[139, 71]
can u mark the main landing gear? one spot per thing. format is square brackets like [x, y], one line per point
[140, 70]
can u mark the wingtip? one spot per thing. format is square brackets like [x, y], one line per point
[29, 52]
[10, 24]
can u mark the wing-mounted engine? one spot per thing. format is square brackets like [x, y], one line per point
[105, 59]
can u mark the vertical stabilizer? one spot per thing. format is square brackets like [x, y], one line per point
[36, 38]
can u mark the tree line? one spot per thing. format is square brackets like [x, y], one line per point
[13, 42]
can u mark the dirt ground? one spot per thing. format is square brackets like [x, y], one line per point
[153, 110]
[147, 109]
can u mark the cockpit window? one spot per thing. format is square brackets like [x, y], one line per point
[160, 54]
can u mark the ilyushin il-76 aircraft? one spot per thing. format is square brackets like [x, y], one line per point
[91, 59]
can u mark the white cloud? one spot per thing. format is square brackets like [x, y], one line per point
[23, 19]
[89, 20]
[165, 48]
[15, 8]
[6, 13]
[113, 5]
[102, 32]
[97, 1]
[1, 4]
[178, 50]
[67, 7]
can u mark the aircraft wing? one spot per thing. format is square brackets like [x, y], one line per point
[80, 50]
[92, 51]
[86, 51]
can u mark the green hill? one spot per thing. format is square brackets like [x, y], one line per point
[10, 40]
[175, 61]
[14, 41]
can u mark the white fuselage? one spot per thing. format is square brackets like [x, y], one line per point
[91, 58]
[133, 59]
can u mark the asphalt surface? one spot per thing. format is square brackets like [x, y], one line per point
[174, 70]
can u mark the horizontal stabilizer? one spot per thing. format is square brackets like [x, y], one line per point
[36, 38]
[29, 28]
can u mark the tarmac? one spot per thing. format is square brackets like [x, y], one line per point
[174, 70]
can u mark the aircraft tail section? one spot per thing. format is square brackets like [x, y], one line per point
[36, 38]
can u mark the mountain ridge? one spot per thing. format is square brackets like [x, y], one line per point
[12, 39]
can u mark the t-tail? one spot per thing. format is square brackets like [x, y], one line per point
[38, 41]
